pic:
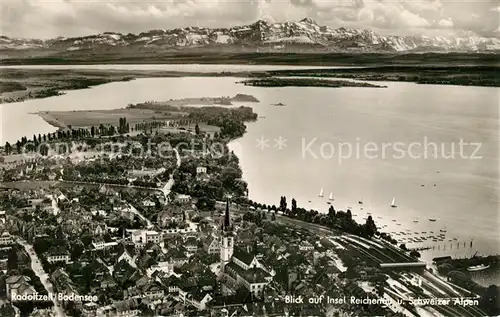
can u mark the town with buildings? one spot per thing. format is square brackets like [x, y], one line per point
[92, 229]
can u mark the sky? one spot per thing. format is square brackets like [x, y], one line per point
[52, 18]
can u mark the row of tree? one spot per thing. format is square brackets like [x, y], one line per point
[334, 219]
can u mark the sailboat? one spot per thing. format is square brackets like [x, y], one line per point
[321, 193]
[393, 204]
[331, 196]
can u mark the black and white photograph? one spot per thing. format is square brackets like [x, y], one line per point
[225, 158]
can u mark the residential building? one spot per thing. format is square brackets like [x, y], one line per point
[191, 244]
[183, 199]
[141, 237]
[58, 255]
[201, 170]
[198, 298]
[212, 245]
[18, 285]
[6, 238]
[101, 245]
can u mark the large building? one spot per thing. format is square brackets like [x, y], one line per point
[239, 266]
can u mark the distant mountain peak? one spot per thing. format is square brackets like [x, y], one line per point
[309, 21]
[261, 36]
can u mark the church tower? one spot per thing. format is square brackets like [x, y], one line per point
[227, 237]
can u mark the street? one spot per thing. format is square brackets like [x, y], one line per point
[40, 272]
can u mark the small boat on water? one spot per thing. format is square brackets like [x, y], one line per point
[415, 220]
[478, 268]
[321, 193]
[393, 203]
[432, 219]
[331, 196]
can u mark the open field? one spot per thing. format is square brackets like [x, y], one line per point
[88, 118]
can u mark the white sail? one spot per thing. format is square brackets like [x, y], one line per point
[321, 193]
[393, 204]
[331, 196]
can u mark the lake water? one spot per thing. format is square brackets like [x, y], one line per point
[462, 194]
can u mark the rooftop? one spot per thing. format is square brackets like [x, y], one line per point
[243, 255]
[255, 275]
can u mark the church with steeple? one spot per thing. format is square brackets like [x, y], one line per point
[226, 237]
[239, 267]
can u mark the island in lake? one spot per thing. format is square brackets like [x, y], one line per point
[305, 82]
[136, 113]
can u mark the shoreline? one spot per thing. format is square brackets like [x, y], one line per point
[47, 117]
[34, 83]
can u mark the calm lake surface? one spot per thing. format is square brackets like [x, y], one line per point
[461, 194]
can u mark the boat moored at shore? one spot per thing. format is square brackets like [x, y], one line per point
[477, 268]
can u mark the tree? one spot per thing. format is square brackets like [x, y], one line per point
[283, 204]
[370, 227]
[197, 129]
[331, 212]
[294, 205]
[92, 131]
[8, 148]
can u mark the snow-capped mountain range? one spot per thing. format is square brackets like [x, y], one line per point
[303, 35]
